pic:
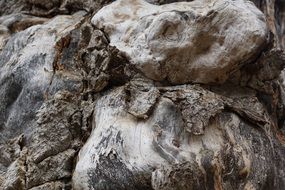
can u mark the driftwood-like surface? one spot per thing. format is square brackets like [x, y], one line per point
[136, 94]
[199, 41]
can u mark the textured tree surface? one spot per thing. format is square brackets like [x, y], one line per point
[134, 94]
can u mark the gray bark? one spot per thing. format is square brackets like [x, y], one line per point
[83, 106]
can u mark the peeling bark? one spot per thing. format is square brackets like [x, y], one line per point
[90, 104]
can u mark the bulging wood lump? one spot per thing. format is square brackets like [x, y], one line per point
[185, 42]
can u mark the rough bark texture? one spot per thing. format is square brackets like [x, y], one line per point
[142, 94]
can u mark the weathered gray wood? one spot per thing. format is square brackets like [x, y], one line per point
[81, 108]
